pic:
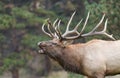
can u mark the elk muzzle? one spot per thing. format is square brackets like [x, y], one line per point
[41, 46]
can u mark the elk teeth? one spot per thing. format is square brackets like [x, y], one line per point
[40, 51]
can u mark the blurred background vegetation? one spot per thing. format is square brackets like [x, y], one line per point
[20, 30]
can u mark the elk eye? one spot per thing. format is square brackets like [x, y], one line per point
[54, 43]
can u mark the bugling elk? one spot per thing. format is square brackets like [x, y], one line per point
[94, 59]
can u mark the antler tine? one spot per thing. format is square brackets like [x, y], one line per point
[65, 36]
[55, 22]
[104, 31]
[57, 33]
[57, 29]
[68, 25]
[75, 29]
[53, 27]
[58, 25]
[98, 23]
[50, 30]
[43, 26]
[85, 22]
[94, 32]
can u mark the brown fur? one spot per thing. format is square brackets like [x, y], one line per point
[94, 59]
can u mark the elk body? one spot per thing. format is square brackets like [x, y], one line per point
[94, 59]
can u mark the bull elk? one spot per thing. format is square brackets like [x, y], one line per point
[94, 59]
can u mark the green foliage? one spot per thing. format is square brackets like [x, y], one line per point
[22, 13]
[21, 19]
[30, 19]
[13, 60]
[31, 41]
[1, 6]
[6, 21]
[72, 75]
[45, 13]
[110, 8]
[2, 38]
[20, 25]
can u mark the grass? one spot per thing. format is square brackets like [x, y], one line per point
[72, 75]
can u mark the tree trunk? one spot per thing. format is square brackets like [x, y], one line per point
[15, 73]
[47, 66]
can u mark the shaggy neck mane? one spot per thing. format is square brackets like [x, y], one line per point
[70, 67]
[68, 63]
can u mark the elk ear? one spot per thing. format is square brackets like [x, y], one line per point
[68, 42]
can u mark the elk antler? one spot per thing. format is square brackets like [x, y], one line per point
[94, 32]
[51, 26]
[67, 32]
[59, 35]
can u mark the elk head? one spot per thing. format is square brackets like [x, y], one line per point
[60, 41]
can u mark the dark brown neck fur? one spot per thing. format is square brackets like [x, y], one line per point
[70, 60]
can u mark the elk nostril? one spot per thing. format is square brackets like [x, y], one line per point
[41, 44]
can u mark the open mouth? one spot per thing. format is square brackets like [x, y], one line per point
[41, 50]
